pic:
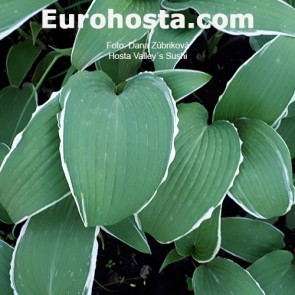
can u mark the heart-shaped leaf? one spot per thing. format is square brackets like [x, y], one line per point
[115, 147]
[31, 176]
[16, 109]
[5, 259]
[224, 277]
[204, 242]
[86, 50]
[275, 273]
[249, 239]
[129, 233]
[4, 150]
[206, 162]
[169, 45]
[264, 186]
[14, 13]
[55, 253]
[263, 87]
[270, 17]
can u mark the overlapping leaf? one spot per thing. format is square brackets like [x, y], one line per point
[169, 45]
[250, 239]
[55, 253]
[204, 242]
[20, 59]
[128, 232]
[31, 177]
[116, 147]
[86, 50]
[183, 82]
[264, 186]
[5, 259]
[263, 87]
[275, 273]
[14, 13]
[206, 162]
[271, 17]
[17, 107]
[224, 277]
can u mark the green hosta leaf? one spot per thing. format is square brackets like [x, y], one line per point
[112, 142]
[204, 242]
[275, 273]
[206, 162]
[5, 259]
[264, 186]
[249, 239]
[167, 58]
[36, 28]
[32, 178]
[257, 42]
[55, 253]
[287, 129]
[86, 51]
[265, 85]
[16, 109]
[224, 277]
[290, 219]
[172, 257]
[271, 17]
[4, 150]
[43, 65]
[120, 69]
[183, 82]
[16, 12]
[20, 59]
[128, 232]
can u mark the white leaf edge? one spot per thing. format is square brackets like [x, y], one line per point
[209, 213]
[262, 221]
[245, 270]
[237, 32]
[90, 278]
[184, 71]
[15, 26]
[18, 138]
[171, 103]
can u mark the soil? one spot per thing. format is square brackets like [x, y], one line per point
[120, 269]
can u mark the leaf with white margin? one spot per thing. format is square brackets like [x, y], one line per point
[224, 277]
[87, 50]
[206, 163]
[182, 38]
[55, 253]
[128, 232]
[275, 272]
[183, 82]
[249, 239]
[264, 186]
[17, 107]
[31, 175]
[172, 257]
[263, 87]
[115, 147]
[204, 242]
[5, 260]
[287, 129]
[270, 17]
[4, 150]
[14, 13]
